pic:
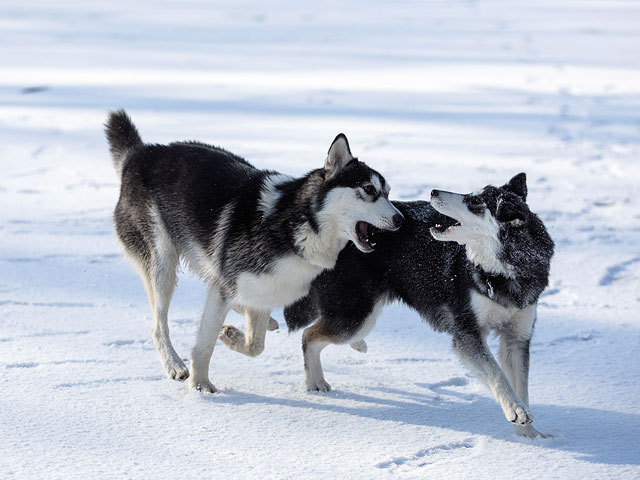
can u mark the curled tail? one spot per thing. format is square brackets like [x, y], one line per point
[122, 135]
[301, 313]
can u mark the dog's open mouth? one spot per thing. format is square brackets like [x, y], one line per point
[365, 243]
[444, 228]
[440, 229]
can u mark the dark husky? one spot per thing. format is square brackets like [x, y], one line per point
[258, 237]
[482, 271]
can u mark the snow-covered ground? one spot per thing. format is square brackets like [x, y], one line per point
[448, 94]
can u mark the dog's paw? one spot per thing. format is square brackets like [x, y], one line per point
[174, 366]
[273, 324]
[518, 414]
[177, 371]
[204, 386]
[360, 346]
[530, 432]
[318, 386]
[231, 336]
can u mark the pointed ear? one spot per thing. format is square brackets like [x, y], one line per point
[518, 185]
[338, 157]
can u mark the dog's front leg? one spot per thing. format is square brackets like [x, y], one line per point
[473, 350]
[515, 340]
[215, 310]
[252, 345]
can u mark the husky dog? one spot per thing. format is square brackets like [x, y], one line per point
[257, 237]
[469, 264]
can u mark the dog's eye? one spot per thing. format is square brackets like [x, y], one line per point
[369, 189]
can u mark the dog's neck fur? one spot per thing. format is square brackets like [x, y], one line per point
[319, 247]
[483, 253]
[491, 276]
[317, 237]
[495, 286]
[510, 291]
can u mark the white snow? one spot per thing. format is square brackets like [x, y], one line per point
[447, 94]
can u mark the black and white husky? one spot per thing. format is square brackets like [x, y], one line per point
[469, 264]
[257, 237]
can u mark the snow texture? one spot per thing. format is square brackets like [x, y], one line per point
[451, 95]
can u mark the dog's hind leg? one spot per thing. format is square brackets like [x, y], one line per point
[252, 345]
[215, 310]
[330, 328]
[160, 283]
[473, 350]
[150, 249]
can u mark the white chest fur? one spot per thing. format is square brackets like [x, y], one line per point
[288, 281]
[492, 315]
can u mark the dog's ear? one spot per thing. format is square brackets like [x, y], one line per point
[518, 185]
[338, 157]
[512, 211]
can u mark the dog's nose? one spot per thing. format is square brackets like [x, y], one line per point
[435, 193]
[397, 220]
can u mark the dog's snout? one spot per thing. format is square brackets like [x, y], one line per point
[398, 218]
[435, 193]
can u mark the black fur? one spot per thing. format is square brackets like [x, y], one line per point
[122, 136]
[426, 274]
[438, 279]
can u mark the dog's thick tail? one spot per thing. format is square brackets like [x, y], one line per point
[301, 313]
[122, 135]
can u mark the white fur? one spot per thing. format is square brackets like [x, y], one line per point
[269, 195]
[510, 388]
[160, 290]
[215, 310]
[336, 226]
[484, 365]
[483, 246]
[359, 345]
[492, 315]
[339, 155]
[313, 367]
[289, 280]
[375, 181]
[251, 344]
[337, 220]
[479, 234]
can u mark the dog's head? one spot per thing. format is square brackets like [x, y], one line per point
[355, 196]
[484, 219]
